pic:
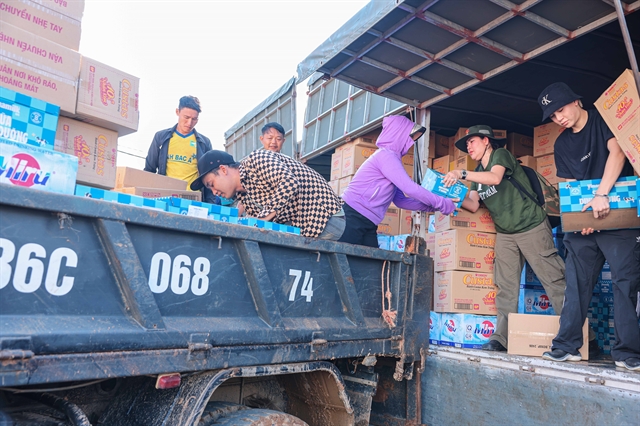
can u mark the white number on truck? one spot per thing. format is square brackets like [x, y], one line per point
[307, 285]
[29, 271]
[165, 272]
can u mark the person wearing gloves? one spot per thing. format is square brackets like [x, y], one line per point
[382, 180]
[523, 231]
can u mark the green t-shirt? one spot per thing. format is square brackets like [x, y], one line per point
[512, 212]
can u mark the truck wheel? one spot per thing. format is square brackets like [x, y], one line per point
[260, 417]
[216, 410]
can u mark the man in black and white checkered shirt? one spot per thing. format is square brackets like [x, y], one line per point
[274, 187]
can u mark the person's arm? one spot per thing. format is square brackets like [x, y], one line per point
[151, 162]
[612, 169]
[404, 202]
[490, 177]
[471, 202]
[392, 169]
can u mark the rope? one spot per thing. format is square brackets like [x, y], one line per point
[388, 315]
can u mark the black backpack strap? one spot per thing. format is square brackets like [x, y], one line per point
[523, 191]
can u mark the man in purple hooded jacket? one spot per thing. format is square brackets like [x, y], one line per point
[382, 180]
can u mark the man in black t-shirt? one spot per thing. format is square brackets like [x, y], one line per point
[588, 150]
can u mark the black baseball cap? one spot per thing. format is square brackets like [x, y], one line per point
[554, 97]
[479, 130]
[210, 161]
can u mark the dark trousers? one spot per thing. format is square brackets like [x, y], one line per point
[585, 256]
[359, 229]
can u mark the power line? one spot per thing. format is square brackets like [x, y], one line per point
[132, 155]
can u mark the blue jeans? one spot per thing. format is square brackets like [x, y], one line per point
[334, 228]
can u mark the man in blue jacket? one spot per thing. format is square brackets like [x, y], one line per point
[174, 152]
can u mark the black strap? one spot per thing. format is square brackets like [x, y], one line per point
[523, 191]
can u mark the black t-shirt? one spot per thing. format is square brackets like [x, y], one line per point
[583, 155]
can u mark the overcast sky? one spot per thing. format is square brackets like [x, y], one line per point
[230, 54]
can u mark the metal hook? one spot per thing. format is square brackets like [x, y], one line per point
[219, 242]
[318, 259]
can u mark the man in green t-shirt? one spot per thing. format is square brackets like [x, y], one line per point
[523, 231]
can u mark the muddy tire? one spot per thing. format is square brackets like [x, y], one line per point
[216, 410]
[260, 417]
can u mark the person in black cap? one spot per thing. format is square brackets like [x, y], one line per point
[275, 187]
[589, 150]
[523, 231]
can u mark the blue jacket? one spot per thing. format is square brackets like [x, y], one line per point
[156, 161]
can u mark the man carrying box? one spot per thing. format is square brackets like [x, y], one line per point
[274, 187]
[590, 151]
[174, 152]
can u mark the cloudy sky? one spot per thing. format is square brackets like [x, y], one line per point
[230, 54]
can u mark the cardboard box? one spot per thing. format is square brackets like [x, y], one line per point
[465, 163]
[616, 219]
[343, 183]
[407, 163]
[159, 193]
[336, 166]
[39, 84]
[532, 299]
[37, 168]
[464, 250]
[399, 242]
[546, 166]
[107, 97]
[96, 149]
[431, 244]
[432, 144]
[128, 177]
[71, 8]
[480, 221]
[531, 335]
[185, 204]
[619, 106]
[406, 221]
[354, 155]
[529, 161]
[27, 120]
[433, 182]
[464, 292]
[519, 145]
[391, 222]
[335, 185]
[117, 197]
[544, 138]
[466, 330]
[441, 146]
[43, 22]
[359, 140]
[442, 164]
[575, 194]
[384, 241]
[434, 328]
[38, 52]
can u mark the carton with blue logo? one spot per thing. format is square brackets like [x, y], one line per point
[117, 197]
[384, 241]
[27, 120]
[575, 194]
[183, 205]
[434, 328]
[451, 329]
[477, 330]
[534, 300]
[399, 242]
[271, 226]
[433, 182]
[37, 168]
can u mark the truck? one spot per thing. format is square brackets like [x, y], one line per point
[118, 315]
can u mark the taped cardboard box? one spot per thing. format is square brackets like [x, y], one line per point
[39, 52]
[480, 221]
[531, 335]
[336, 166]
[354, 155]
[574, 195]
[616, 219]
[464, 250]
[38, 84]
[544, 138]
[28, 120]
[464, 163]
[546, 166]
[128, 177]
[519, 145]
[71, 8]
[343, 183]
[391, 222]
[464, 292]
[441, 146]
[619, 106]
[42, 21]
[442, 164]
[107, 97]
[95, 147]
[159, 193]
[432, 144]
[335, 185]
[528, 161]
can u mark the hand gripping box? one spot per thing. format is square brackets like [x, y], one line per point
[433, 182]
[464, 250]
[27, 120]
[464, 292]
[37, 168]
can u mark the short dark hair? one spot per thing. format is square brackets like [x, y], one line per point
[273, 125]
[495, 145]
[190, 102]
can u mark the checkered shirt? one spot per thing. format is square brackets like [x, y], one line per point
[299, 194]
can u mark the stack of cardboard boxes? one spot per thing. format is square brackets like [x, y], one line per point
[463, 290]
[40, 65]
[544, 140]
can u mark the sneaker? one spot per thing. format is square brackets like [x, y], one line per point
[560, 355]
[632, 364]
[494, 346]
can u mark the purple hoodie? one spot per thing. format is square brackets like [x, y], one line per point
[382, 179]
